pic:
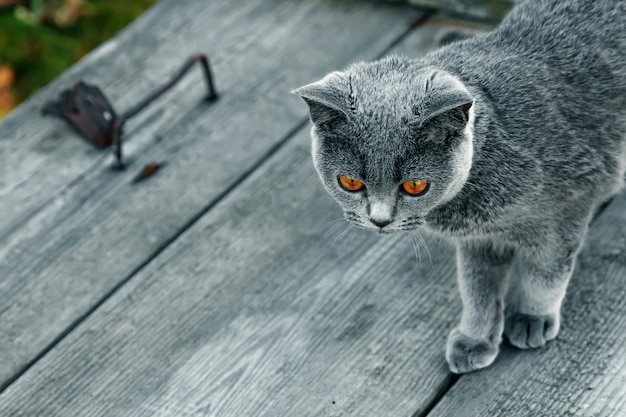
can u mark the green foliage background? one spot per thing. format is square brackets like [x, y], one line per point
[38, 52]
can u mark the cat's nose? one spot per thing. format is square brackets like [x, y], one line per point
[381, 223]
[380, 213]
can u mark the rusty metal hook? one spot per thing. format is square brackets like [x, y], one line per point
[90, 113]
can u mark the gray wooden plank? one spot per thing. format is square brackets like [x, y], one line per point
[73, 229]
[257, 311]
[433, 30]
[40, 157]
[582, 372]
[491, 10]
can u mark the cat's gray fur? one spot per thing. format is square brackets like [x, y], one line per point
[522, 135]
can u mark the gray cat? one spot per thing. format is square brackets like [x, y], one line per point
[506, 143]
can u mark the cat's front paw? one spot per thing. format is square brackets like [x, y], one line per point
[466, 354]
[529, 331]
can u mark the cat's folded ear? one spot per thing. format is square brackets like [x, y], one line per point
[327, 99]
[444, 97]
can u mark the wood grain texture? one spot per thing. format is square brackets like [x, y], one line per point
[491, 10]
[263, 308]
[433, 30]
[582, 372]
[73, 229]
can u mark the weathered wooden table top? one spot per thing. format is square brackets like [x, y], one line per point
[225, 285]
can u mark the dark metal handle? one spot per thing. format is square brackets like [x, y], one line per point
[86, 108]
[119, 122]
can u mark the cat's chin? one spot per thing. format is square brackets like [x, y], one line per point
[389, 231]
[397, 231]
[378, 230]
[401, 227]
[392, 231]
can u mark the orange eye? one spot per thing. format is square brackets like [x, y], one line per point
[415, 187]
[350, 184]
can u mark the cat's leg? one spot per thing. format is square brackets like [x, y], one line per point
[533, 310]
[534, 301]
[482, 272]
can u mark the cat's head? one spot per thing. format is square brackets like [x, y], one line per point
[390, 142]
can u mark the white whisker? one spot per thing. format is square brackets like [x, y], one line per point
[337, 220]
[423, 241]
[340, 235]
[331, 230]
[416, 249]
[353, 234]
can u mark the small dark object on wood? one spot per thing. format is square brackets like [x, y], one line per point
[147, 171]
[86, 109]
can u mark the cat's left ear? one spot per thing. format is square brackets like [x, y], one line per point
[327, 99]
[444, 97]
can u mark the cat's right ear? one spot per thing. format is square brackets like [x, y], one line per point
[327, 99]
[445, 97]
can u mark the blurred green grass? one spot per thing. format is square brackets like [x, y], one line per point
[42, 38]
